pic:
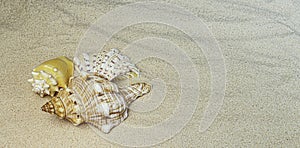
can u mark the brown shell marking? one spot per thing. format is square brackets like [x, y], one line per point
[102, 105]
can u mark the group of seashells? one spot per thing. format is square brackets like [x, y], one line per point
[83, 91]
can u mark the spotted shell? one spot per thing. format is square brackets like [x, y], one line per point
[50, 76]
[95, 101]
[107, 64]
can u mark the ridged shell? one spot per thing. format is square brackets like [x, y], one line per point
[106, 64]
[50, 76]
[95, 101]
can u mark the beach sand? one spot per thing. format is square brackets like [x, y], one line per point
[259, 41]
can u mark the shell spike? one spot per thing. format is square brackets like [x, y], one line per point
[30, 80]
[55, 106]
[35, 73]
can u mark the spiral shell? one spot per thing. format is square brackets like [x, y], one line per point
[95, 101]
[50, 76]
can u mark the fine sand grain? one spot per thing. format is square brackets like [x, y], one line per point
[260, 42]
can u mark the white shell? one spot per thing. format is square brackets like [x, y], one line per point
[103, 105]
[107, 64]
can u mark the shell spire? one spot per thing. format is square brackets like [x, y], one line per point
[65, 107]
[55, 106]
[48, 107]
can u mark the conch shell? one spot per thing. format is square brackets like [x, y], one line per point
[95, 101]
[51, 75]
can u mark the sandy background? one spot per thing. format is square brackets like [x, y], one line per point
[259, 39]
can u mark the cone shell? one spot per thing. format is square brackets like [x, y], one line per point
[50, 76]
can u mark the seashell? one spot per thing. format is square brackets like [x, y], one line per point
[92, 97]
[106, 64]
[50, 76]
[96, 101]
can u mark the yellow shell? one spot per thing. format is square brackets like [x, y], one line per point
[51, 75]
